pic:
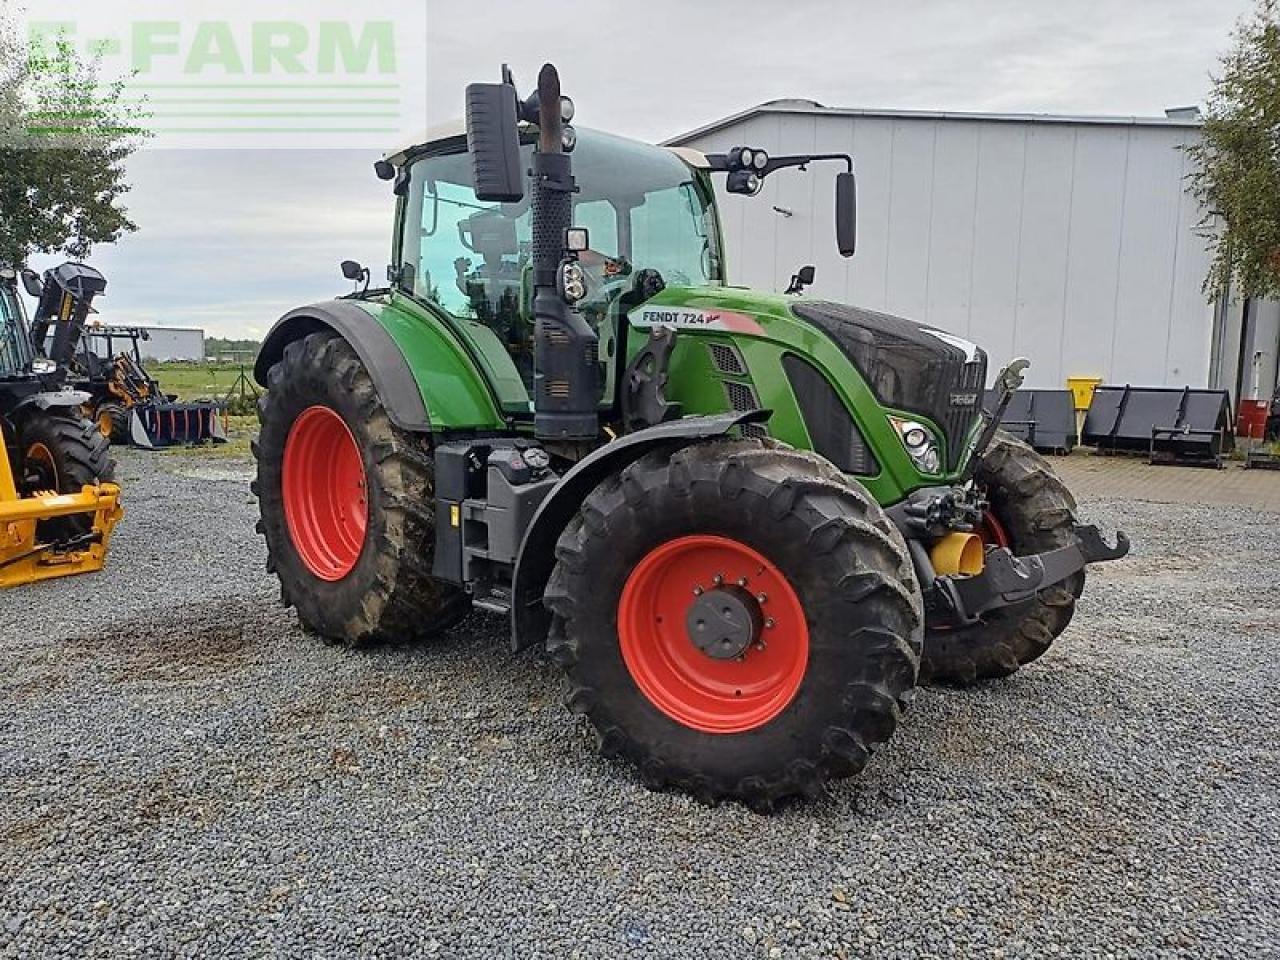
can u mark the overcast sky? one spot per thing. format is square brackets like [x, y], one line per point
[231, 239]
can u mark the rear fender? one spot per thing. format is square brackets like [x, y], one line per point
[530, 620]
[425, 377]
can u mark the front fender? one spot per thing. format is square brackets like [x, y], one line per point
[530, 620]
[56, 400]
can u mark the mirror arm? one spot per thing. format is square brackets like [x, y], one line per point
[719, 162]
[803, 160]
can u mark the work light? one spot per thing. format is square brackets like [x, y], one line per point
[573, 281]
[920, 443]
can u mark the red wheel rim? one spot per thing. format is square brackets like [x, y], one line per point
[991, 531]
[325, 503]
[689, 686]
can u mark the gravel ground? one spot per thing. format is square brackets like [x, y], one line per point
[183, 772]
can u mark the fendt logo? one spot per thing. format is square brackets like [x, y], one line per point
[313, 73]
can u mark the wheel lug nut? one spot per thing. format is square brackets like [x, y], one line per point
[717, 580]
[761, 598]
[697, 591]
[760, 645]
[770, 623]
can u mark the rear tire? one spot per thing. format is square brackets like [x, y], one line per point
[378, 586]
[820, 539]
[1035, 512]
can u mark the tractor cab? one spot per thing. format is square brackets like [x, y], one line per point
[650, 219]
[16, 354]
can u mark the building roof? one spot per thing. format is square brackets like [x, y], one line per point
[1177, 118]
[457, 128]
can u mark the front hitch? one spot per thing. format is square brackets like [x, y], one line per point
[1006, 579]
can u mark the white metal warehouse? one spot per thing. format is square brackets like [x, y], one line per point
[1069, 240]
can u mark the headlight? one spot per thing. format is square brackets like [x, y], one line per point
[573, 282]
[746, 156]
[566, 109]
[760, 161]
[568, 138]
[920, 443]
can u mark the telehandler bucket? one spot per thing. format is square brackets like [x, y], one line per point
[28, 554]
[154, 425]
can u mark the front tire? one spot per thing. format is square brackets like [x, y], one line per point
[347, 502]
[113, 421]
[815, 680]
[1033, 512]
[62, 452]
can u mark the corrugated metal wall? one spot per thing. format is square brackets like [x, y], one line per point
[1070, 243]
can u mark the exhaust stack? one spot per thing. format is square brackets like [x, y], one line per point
[566, 368]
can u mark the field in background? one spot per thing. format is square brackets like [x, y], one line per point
[196, 381]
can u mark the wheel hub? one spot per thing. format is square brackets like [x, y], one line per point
[723, 623]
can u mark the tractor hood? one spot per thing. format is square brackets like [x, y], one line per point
[907, 366]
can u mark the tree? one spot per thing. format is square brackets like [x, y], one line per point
[1237, 162]
[64, 138]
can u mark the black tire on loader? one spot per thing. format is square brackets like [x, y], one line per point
[383, 590]
[1036, 512]
[113, 421]
[62, 452]
[830, 573]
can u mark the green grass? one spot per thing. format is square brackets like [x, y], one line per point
[240, 430]
[197, 381]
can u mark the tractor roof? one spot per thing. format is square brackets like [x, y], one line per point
[454, 129]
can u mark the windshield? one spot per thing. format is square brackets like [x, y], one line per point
[15, 349]
[644, 208]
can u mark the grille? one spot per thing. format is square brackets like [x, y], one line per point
[908, 366]
[741, 397]
[956, 421]
[831, 430]
[727, 359]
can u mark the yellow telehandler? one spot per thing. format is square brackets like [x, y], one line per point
[57, 504]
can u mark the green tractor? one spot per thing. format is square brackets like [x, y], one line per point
[745, 524]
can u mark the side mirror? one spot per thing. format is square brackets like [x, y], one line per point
[846, 213]
[385, 169]
[31, 283]
[801, 279]
[352, 270]
[493, 139]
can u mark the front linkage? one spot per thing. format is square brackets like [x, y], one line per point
[934, 513]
